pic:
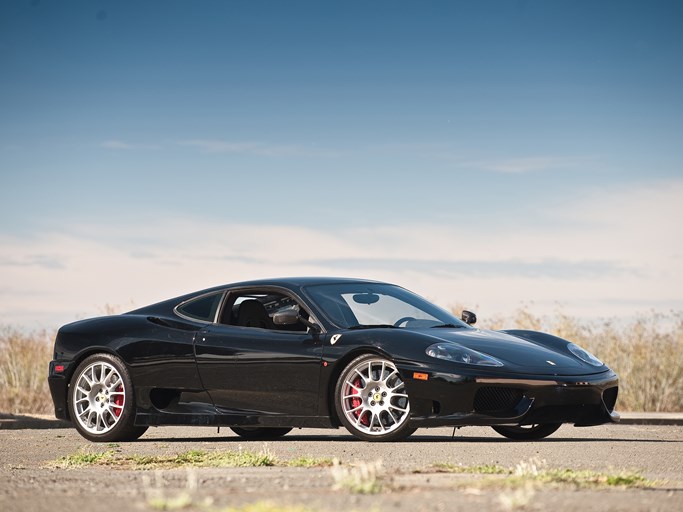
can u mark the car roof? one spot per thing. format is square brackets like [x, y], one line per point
[291, 283]
[297, 282]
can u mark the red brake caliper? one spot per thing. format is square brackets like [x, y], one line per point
[356, 402]
[118, 400]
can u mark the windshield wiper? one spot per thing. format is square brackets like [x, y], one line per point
[449, 326]
[374, 326]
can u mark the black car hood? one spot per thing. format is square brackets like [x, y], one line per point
[518, 355]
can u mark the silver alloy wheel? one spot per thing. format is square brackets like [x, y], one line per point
[99, 397]
[374, 398]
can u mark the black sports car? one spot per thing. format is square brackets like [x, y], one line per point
[263, 357]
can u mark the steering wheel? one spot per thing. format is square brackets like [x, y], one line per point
[403, 319]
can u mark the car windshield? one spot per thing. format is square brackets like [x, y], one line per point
[368, 305]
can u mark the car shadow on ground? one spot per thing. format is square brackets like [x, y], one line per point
[222, 438]
[18, 421]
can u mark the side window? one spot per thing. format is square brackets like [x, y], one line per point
[203, 308]
[256, 309]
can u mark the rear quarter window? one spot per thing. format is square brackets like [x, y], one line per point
[202, 308]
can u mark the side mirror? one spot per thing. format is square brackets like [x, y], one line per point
[468, 317]
[286, 317]
[291, 317]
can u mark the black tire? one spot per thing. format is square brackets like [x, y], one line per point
[528, 432]
[371, 400]
[102, 400]
[260, 433]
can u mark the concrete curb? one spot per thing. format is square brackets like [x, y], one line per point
[651, 418]
[46, 421]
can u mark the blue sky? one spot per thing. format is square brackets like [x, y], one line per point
[478, 152]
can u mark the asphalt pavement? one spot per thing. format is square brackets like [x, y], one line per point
[30, 480]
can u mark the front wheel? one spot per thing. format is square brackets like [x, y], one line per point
[372, 401]
[260, 433]
[101, 400]
[528, 432]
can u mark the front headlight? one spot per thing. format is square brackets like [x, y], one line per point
[459, 354]
[584, 355]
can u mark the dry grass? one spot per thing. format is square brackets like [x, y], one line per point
[24, 362]
[646, 352]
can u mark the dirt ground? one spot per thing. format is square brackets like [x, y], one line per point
[28, 482]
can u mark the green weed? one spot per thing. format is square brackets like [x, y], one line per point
[179, 502]
[361, 478]
[192, 458]
[534, 471]
[485, 469]
[266, 506]
[309, 462]
[84, 458]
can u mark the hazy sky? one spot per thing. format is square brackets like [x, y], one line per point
[485, 153]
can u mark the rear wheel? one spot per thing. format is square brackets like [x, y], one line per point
[101, 400]
[372, 401]
[528, 432]
[260, 433]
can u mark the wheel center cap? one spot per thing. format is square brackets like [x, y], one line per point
[377, 397]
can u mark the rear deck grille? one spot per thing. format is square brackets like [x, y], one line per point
[490, 399]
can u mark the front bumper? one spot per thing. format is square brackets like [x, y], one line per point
[449, 399]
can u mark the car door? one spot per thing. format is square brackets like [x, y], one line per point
[258, 370]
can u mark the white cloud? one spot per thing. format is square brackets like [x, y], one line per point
[220, 146]
[608, 254]
[507, 165]
[524, 164]
[121, 145]
[256, 148]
